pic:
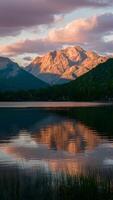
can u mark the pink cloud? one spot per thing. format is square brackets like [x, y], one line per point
[38, 46]
[16, 15]
[84, 30]
[89, 32]
[76, 31]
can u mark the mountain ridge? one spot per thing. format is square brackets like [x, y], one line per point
[59, 67]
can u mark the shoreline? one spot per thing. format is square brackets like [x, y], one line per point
[51, 104]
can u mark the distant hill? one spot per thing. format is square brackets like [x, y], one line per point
[62, 66]
[13, 77]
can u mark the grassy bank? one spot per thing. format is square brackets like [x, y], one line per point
[19, 186]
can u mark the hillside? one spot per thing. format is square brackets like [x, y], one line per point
[96, 84]
[13, 77]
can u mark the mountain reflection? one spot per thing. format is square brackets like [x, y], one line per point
[68, 135]
[41, 138]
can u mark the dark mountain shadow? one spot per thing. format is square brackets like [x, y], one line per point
[96, 118]
[32, 120]
[54, 79]
[14, 120]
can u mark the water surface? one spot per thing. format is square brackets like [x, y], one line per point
[70, 138]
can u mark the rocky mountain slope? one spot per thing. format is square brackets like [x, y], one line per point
[62, 66]
[13, 77]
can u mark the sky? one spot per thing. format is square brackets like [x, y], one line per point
[29, 28]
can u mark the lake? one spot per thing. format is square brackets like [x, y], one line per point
[56, 138]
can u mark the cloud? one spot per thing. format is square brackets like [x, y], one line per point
[88, 32]
[27, 58]
[38, 46]
[17, 15]
[84, 30]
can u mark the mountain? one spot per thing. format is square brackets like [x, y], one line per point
[97, 84]
[62, 66]
[13, 77]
